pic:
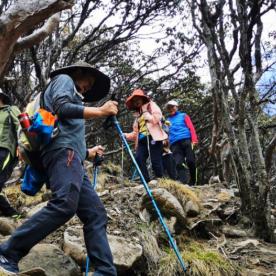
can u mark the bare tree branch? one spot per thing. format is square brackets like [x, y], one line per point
[38, 35]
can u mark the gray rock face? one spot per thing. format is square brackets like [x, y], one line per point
[168, 204]
[51, 259]
[125, 253]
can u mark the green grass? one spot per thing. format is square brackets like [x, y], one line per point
[200, 261]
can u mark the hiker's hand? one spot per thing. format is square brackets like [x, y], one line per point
[109, 108]
[95, 150]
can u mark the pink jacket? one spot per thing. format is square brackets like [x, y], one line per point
[153, 116]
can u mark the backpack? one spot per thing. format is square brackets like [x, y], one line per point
[43, 128]
[32, 141]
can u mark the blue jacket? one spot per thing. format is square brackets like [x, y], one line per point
[178, 129]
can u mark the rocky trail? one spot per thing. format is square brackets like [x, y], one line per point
[213, 237]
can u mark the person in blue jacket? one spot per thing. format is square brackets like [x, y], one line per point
[63, 161]
[182, 139]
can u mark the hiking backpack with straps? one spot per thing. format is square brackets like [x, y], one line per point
[32, 140]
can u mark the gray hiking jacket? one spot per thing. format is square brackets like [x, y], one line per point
[62, 99]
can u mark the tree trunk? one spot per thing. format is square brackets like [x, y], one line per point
[21, 18]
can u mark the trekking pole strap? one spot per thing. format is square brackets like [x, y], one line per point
[171, 240]
[95, 177]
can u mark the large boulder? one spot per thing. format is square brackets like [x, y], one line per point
[167, 203]
[51, 259]
[125, 252]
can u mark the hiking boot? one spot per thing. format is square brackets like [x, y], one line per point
[8, 267]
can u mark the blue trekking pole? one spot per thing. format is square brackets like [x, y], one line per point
[115, 122]
[96, 163]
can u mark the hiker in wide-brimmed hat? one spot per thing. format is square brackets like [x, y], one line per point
[147, 132]
[63, 162]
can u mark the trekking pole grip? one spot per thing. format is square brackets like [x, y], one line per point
[98, 160]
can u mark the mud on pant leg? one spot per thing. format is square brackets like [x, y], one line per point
[65, 183]
[93, 215]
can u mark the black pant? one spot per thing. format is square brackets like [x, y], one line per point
[169, 165]
[72, 194]
[142, 155]
[182, 151]
[5, 173]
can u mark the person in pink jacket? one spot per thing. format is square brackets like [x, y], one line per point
[147, 132]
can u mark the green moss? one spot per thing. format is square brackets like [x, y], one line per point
[182, 192]
[200, 260]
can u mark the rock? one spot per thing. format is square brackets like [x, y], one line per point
[153, 183]
[51, 259]
[192, 209]
[225, 195]
[203, 227]
[125, 253]
[171, 223]
[151, 249]
[74, 244]
[248, 242]
[256, 272]
[168, 204]
[7, 226]
[144, 215]
[233, 233]
[37, 208]
[214, 179]
[226, 213]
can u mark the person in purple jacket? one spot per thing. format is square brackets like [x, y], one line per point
[182, 138]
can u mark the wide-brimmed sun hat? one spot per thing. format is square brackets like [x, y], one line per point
[4, 97]
[136, 93]
[172, 103]
[100, 87]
